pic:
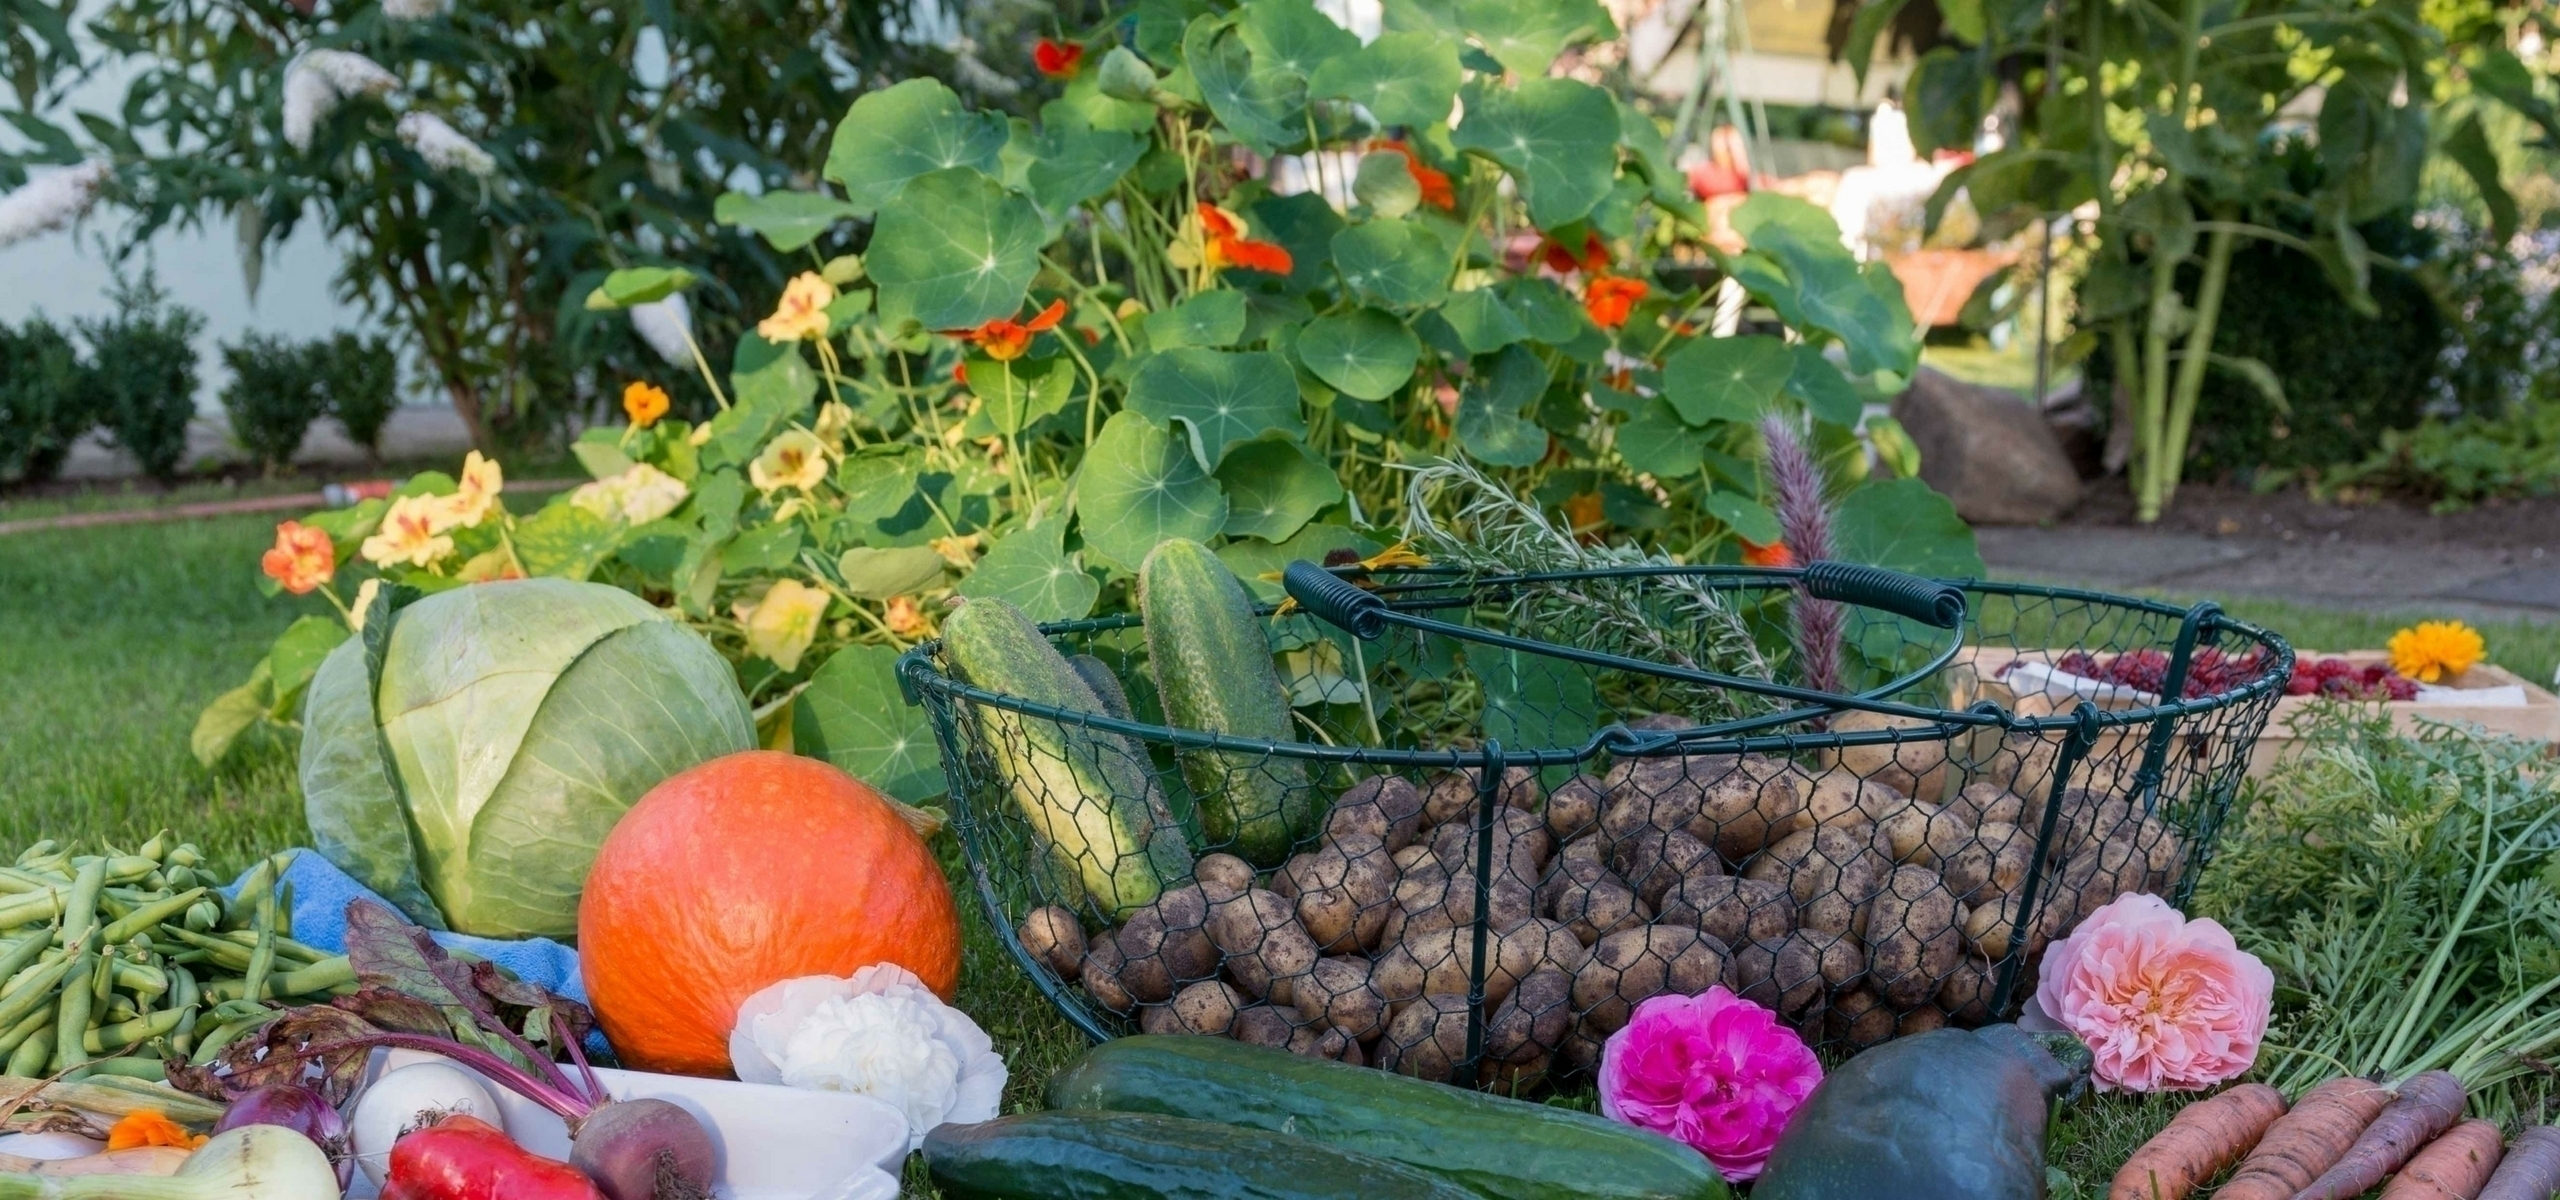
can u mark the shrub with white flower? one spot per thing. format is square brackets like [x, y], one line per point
[50, 201]
[881, 1034]
[667, 325]
[318, 80]
[443, 146]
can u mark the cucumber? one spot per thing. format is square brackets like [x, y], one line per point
[1491, 1146]
[1097, 675]
[1090, 797]
[1134, 1156]
[1213, 673]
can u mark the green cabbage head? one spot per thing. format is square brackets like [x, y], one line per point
[512, 725]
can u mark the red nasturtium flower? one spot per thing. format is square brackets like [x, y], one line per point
[1609, 298]
[1005, 339]
[1592, 259]
[302, 559]
[1057, 60]
[1437, 191]
[1226, 246]
[1775, 554]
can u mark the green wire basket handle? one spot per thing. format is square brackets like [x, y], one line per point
[1335, 600]
[1898, 592]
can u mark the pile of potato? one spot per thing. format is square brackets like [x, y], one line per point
[1862, 895]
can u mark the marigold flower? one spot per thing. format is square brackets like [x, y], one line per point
[783, 622]
[644, 403]
[1610, 298]
[796, 459]
[1005, 339]
[802, 313]
[1057, 60]
[150, 1127]
[2434, 651]
[475, 494]
[303, 559]
[1775, 554]
[1437, 191]
[1591, 259]
[1224, 245]
[412, 532]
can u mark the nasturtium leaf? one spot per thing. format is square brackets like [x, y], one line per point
[1796, 263]
[1482, 321]
[1031, 569]
[1522, 35]
[853, 715]
[638, 285]
[1253, 558]
[1263, 104]
[952, 250]
[1743, 515]
[1304, 224]
[789, 220]
[1403, 78]
[1123, 77]
[1219, 397]
[1652, 153]
[1292, 36]
[1206, 319]
[1657, 442]
[1726, 379]
[1273, 317]
[1072, 161]
[1142, 485]
[877, 481]
[1014, 395]
[1395, 264]
[1364, 354]
[1906, 525]
[299, 651]
[599, 452]
[230, 715]
[565, 541]
[1533, 699]
[1545, 310]
[1489, 423]
[878, 574]
[1386, 184]
[770, 388]
[1825, 391]
[762, 549]
[906, 131]
[1274, 485]
[1557, 137]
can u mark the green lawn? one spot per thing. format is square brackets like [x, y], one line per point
[116, 637]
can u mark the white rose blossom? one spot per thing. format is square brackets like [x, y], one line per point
[667, 325]
[443, 146]
[881, 1034]
[635, 497]
[51, 201]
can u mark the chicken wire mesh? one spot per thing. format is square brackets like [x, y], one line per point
[1496, 837]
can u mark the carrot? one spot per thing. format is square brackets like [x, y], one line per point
[2307, 1141]
[2428, 1104]
[2202, 1139]
[2531, 1170]
[2452, 1167]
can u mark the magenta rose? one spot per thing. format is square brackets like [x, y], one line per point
[2165, 1003]
[1714, 1070]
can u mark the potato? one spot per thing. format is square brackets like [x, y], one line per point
[1430, 898]
[1523, 1035]
[1730, 908]
[1966, 995]
[1454, 792]
[1992, 925]
[1783, 975]
[1839, 957]
[1982, 802]
[1053, 938]
[1915, 767]
[1828, 870]
[1446, 957]
[1207, 1007]
[1166, 945]
[1912, 938]
[1734, 804]
[1386, 807]
[2095, 876]
[1263, 1025]
[1222, 875]
[1415, 858]
[1266, 950]
[1100, 974]
[1630, 966]
[1653, 863]
[1336, 994]
[1343, 891]
[1601, 907]
[1859, 1019]
[1906, 836]
[1568, 870]
[1840, 798]
[1580, 1054]
[1427, 1040]
[1993, 863]
[1319, 1042]
[1920, 1020]
[1521, 845]
[1565, 950]
[1573, 809]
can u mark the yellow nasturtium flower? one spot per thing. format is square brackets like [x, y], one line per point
[797, 459]
[475, 495]
[2434, 651]
[412, 532]
[802, 314]
[781, 625]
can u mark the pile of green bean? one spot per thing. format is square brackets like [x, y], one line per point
[113, 960]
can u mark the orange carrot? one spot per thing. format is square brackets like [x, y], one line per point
[2307, 1141]
[2202, 1139]
[2453, 1167]
[2531, 1170]
[2426, 1104]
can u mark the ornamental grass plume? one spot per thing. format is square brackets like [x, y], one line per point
[51, 201]
[1804, 524]
[2164, 1003]
[1714, 1071]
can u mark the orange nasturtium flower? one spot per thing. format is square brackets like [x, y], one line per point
[303, 559]
[1775, 554]
[802, 314]
[1591, 259]
[644, 403]
[150, 1127]
[1057, 60]
[1223, 241]
[1609, 299]
[1434, 182]
[1005, 339]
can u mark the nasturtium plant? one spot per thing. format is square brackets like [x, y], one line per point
[1241, 272]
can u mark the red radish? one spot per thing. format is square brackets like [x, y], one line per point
[466, 1158]
[2531, 1170]
[2428, 1104]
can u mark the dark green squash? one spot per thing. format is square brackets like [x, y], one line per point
[1143, 1156]
[1951, 1114]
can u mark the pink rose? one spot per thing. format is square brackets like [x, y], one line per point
[1715, 1071]
[2165, 1003]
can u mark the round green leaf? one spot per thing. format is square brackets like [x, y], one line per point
[1073, 162]
[1221, 398]
[904, 131]
[1523, 35]
[1030, 569]
[1826, 393]
[1263, 104]
[954, 249]
[1906, 525]
[877, 574]
[564, 540]
[1290, 35]
[1364, 354]
[1557, 137]
[1013, 395]
[1140, 486]
[1401, 78]
[638, 285]
[789, 220]
[1274, 486]
[1252, 558]
[1386, 184]
[1726, 379]
[1208, 319]
[877, 481]
[1655, 441]
[1482, 321]
[1397, 264]
[852, 715]
[1744, 516]
[1489, 422]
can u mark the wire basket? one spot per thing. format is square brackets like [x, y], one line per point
[1500, 832]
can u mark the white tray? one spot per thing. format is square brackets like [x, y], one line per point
[775, 1143]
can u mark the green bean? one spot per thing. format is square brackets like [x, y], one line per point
[142, 979]
[36, 1022]
[30, 907]
[129, 868]
[112, 1038]
[223, 954]
[205, 916]
[37, 851]
[33, 1055]
[23, 952]
[80, 909]
[119, 1007]
[33, 992]
[222, 1035]
[262, 959]
[185, 997]
[285, 947]
[186, 855]
[157, 849]
[19, 880]
[150, 915]
[72, 1017]
[327, 975]
[148, 1069]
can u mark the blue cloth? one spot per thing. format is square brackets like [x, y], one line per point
[321, 893]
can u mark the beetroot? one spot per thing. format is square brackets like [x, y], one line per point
[644, 1150]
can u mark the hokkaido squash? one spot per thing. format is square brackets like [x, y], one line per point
[740, 873]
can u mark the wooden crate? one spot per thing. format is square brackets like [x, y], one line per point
[2536, 720]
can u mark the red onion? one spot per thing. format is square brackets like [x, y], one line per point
[299, 1109]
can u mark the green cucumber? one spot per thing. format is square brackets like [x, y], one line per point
[1491, 1146]
[1134, 1156]
[1097, 675]
[1213, 673]
[1090, 797]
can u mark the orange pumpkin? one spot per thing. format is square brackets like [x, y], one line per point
[740, 873]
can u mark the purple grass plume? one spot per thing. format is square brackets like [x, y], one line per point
[1804, 522]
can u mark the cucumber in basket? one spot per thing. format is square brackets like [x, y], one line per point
[1489, 1145]
[1213, 673]
[1136, 1156]
[1090, 796]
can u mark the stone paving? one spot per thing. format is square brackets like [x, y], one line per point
[2474, 583]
